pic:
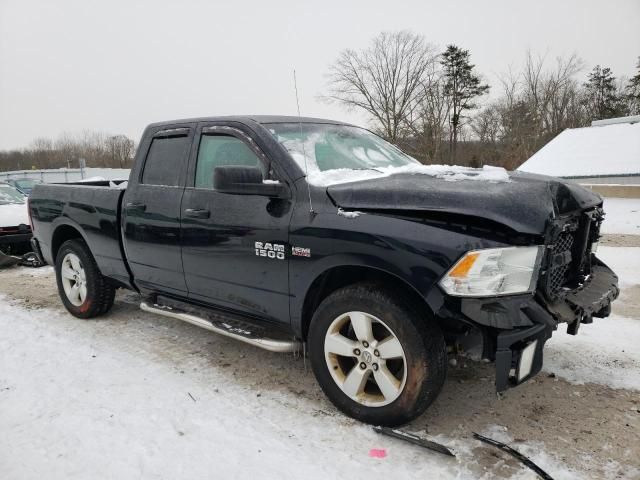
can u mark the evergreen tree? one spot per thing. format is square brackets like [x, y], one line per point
[462, 87]
[602, 99]
[633, 92]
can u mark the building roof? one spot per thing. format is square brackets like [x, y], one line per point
[605, 149]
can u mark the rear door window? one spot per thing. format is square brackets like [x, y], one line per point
[166, 160]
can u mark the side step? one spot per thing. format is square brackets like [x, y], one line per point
[225, 326]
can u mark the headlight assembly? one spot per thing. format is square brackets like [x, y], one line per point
[494, 271]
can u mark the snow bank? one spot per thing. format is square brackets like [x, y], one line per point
[604, 352]
[625, 261]
[623, 215]
[345, 214]
[449, 173]
[92, 179]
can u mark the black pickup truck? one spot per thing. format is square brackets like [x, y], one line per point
[287, 232]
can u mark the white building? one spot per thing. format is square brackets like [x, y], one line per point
[607, 152]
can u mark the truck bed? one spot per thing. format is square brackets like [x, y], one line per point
[93, 210]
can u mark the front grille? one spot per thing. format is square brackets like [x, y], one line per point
[568, 260]
[558, 273]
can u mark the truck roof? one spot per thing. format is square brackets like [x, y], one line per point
[252, 118]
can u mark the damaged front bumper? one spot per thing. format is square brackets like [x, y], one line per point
[515, 328]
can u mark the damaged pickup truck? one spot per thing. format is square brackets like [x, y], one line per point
[286, 232]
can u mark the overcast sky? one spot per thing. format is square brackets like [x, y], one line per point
[115, 65]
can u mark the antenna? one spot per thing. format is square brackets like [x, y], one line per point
[304, 153]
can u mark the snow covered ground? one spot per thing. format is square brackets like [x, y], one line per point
[137, 396]
[623, 216]
[605, 352]
[625, 261]
[139, 400]
[79, 404]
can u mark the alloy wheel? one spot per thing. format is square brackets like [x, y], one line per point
[365, 358]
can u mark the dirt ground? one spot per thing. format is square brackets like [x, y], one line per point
[620, 240]
[584, 426]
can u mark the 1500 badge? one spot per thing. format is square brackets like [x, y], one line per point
[270, 250]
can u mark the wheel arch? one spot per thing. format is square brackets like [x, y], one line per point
[61, 234]
[336, 277]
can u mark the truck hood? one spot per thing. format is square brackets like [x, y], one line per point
[14, 214]
[524, 203]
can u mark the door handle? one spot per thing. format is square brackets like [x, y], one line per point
[136, 207]
[196, 213]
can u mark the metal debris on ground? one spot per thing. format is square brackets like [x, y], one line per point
[506, 448]
[411, 438]
[29, 259]
[8, 260]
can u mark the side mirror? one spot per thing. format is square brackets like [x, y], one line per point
[245, 181]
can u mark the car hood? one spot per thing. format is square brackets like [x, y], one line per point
[14, 214]
[524, 203]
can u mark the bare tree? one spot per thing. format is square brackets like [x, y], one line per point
[386, 79]
[487, 125]
[537, 104]
[68, 149]
[40, 151]
[551, 94]
[429, 123]
[121, 150]
[98, 149]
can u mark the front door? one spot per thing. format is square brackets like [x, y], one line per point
[151, 213]
[233, 246]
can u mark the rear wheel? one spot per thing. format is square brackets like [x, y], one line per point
[376, 358]
[84, 291]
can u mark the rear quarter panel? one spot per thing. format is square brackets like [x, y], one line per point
[93, 211]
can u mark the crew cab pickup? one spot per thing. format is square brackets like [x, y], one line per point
[287, 232]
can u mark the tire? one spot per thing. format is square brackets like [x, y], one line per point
[84, 291]
[418, 368]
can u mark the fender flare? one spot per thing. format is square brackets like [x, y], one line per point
[301, 287]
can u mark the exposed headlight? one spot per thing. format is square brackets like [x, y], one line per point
[494, 271]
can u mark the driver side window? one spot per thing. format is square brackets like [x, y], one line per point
[218, 151]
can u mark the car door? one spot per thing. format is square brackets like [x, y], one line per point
[151, 213]
[233, 246]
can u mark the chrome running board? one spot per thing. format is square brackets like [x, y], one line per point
[224, 327]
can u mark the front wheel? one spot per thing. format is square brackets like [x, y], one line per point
[374, 356]
[84, 291]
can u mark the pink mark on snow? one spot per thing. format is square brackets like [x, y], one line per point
[377, 453]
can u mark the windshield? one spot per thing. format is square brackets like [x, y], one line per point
[26, 183]
[9, 195]
[335, 147]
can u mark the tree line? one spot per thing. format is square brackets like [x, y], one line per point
[435, 105]
[96, 148]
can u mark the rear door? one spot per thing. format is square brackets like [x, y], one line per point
[234, 247]
[151, 212]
